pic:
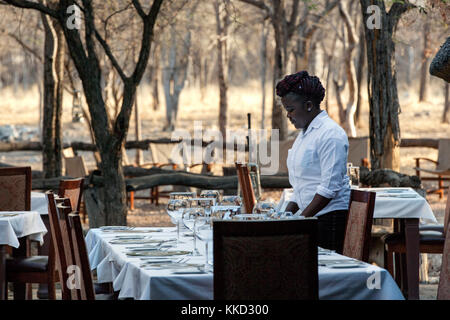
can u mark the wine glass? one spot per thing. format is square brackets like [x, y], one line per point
[182, 195]
[175, 209]
[266, 208]
[192, 219]
[211, 194]
[205, 233]
[231, 201]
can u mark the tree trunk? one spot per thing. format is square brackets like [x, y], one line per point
[137, 130]
[278, 115]
[382, 86]
[54, 54]
[350, 72]
[264, 35]
[425, 61]
[174, 74]
[359, 74]
[222, 63]
[445, 118]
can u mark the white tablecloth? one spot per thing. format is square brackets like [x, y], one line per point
[26, 223]
[389, 203]
[113, 265]
[39, 203]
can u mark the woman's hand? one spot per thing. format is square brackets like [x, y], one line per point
[318, 203]
[291, 207]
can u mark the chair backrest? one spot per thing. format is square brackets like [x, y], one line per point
[72, 189]
[81, 257]
[265, 260]
[443, 155]
[447, 212]
[15, 189]
[68, 152]
[444, 277]
[358, 150]
[162, 153]
[60, 242]
[359, 225]
[244, 180]
[75, 167]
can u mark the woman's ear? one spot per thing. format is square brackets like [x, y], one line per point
[309, 105]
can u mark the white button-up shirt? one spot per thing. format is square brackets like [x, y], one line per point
[317, 164]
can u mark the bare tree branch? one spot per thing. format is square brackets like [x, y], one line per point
[25, 4]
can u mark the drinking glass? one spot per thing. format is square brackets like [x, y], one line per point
[182, 195]
[353, 175]
[231, 201]
[175, 209]
[192, 219]
[211, 194]
[266, 208]
[224, 212]
[205, 233]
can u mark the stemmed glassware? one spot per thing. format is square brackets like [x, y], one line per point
[205, 233]
[175, 209]
[192, 219]
[231, 201]
[266, 208]
[211, 194]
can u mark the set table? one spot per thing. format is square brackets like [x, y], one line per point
[136, 281]
[13, 226]
[407, 208]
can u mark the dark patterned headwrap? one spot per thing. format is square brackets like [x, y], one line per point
[302, 84]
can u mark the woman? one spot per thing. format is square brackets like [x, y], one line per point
[317, 161]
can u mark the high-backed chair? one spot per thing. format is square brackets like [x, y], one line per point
[265, 260]
[81, 261]
[431, 240]
[359, 225]
[244, 180]
[441, 171]
[34, 269]
[359, 151]
[444, 277]
[15, 189]
[73, 189]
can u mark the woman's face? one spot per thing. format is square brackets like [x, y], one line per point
[297, 110]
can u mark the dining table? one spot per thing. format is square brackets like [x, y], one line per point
[120, 257]
[408, 209]
[14, 226]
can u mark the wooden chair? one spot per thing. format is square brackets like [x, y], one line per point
[265, 260]
[244, 180]
[59, 209]
[81, 260]
[73, 189]
[35, 269]
[359, 225]
[431, 240]
[160, 154]
[15, 189]
[441, 171]
[359, 151]
[444, 277]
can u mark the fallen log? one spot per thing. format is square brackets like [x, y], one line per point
[387, 177]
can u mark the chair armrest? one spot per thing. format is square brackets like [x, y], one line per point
[427, 159]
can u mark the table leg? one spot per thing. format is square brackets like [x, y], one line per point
[412, 257]
[2, 273]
